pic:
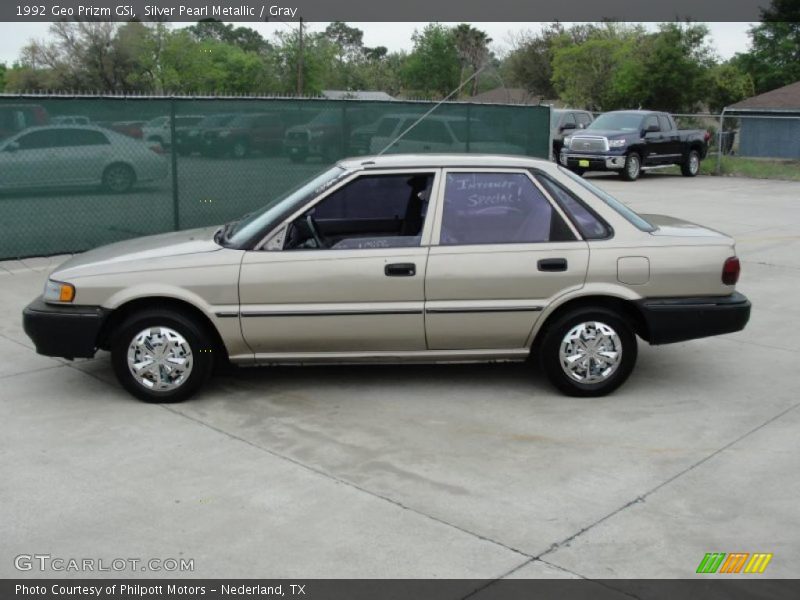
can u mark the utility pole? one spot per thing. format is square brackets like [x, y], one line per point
[300, 61]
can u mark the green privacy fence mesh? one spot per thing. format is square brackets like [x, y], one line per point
[79, 172]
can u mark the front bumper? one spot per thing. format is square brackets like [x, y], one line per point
[592, 162]
[671, 320]
[63, 330]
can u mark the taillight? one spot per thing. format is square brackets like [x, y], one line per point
[158, 149]
[730, 271]
[707, 136]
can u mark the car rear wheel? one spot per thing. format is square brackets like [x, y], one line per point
[632, 168]
[691, 166]
[161, 355]
[118, 178]
[588, 352]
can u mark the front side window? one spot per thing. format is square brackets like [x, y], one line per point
[46, 138]
[498, 208]
[651, 124]
[372, 211]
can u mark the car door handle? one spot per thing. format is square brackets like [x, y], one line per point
[552, 264]
[400, 270]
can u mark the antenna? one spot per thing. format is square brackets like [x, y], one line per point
[435, 106]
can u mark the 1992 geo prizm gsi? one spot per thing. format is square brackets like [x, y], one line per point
[400, 258]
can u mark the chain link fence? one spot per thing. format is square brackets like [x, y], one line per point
[81, 171]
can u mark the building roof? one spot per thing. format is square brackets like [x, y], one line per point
[355, 95]
[786, 98]
[504, 95]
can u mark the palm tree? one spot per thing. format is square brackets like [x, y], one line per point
[472, 46]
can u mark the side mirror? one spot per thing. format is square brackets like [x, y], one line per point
[567, 126]
[12, 147]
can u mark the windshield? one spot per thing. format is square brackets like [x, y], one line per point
[255, 223]
[618, 121]
[629, 215]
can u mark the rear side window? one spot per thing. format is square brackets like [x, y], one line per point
[498, 208]
[585, 220]
[83, 137]
[663, 122]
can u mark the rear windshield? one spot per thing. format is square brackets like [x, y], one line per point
[629, 215]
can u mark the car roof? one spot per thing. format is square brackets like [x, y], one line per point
[64, 126]
[401, 161]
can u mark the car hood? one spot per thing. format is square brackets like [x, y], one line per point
[670, 226]
[609, 133]
[121, 255]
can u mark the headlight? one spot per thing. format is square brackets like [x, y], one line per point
[617, 143]
[316, 134]
[567, 141]
[57, 291]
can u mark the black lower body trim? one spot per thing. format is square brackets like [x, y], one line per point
[671, 320]
[65, 331]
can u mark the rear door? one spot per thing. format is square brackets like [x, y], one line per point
[501, 252]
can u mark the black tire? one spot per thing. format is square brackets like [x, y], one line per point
[633, 167]
[194, 334]
[118, 178]
[555, 333]
[691, 166]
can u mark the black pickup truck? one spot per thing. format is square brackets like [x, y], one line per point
[632, 141]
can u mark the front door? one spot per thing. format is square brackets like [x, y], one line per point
[504, 253]
[348, 275]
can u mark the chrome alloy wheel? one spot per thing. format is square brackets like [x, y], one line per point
[160, 359]
[590, 352]
[694, 163]
[633, 166]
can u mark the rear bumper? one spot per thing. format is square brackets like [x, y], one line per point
[65, 331]
[671, 320]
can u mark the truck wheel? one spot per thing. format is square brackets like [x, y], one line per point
[691, 166]
[632, 168]
[161, 355]
[588, 352]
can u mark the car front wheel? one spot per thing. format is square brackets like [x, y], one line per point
[161, 355]
[588, 352]
[632, 168]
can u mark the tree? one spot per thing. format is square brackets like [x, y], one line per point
[774, 60]
[472, 46]
[319, 57]
[727, 84]
[244, 38]
[530, 62]
[667, 70]
[432, 67]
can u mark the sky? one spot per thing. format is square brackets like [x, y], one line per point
[728, 38]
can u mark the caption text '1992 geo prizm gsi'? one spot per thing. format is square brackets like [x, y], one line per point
[401, 258]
